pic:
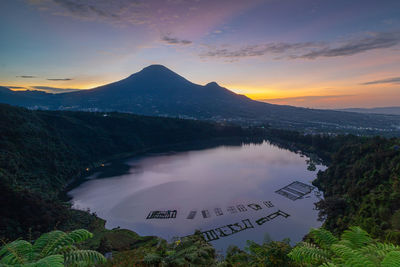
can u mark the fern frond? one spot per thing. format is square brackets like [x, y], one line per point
[323, 237]
[352, 257]
[309, 254]
[46, 242]
[384, 248]
[369, 249]
[379, 250]
[357, 237]
[17, 252]
[80, 235]
[90, 257]
[50, 261]
[392, 259]
[52, 242]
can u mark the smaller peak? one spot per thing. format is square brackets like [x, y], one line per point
[212, 84]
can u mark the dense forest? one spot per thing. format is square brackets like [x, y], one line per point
[42, 151]
[361, 184]
[362, 187]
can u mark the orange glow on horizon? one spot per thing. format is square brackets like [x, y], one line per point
[340, 94]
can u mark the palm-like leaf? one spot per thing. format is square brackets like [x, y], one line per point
[323, 238]
[357, 237]
[50, 261]
[17, 252]
[309, 253]
[355, 249]
[52, 242]
[352, 257]
[53, 249]
[392, 259]
[89, 257]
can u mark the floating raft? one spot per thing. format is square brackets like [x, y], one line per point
[295, 190]
[157, 214]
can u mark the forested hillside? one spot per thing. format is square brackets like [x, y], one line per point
[362, 187]
[41, 151]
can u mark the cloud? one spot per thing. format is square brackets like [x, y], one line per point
[26, 76]
[123, 12]
[59, 79]
[54, 90]
[258, 50]
[307, 50]
[15, 87]
[389, 80]
[116, 11]
[47, 89]
[355, 46]
[192, 17]
[175, 41]
[85, 8]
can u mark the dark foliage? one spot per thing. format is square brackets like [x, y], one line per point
[42, 151]
[362, 187]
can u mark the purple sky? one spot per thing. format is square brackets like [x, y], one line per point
[313, 53]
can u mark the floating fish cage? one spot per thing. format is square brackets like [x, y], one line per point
[295, 190]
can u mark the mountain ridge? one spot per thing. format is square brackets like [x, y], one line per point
[158, 91]
[393, 110]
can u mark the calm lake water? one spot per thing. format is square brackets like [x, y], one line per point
[232, 186]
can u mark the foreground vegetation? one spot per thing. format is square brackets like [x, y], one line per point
[55, 249]
[40, 151]
[354, 248]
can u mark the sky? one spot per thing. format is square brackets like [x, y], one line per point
[311, 53]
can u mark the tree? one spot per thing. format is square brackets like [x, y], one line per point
[354, 248]
[270, 253]
[55, 249]
[189, 251]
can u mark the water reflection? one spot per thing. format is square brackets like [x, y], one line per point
[204, 185]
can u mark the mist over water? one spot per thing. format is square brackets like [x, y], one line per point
[212, 180]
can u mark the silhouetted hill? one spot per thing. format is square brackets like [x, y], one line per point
[25, 98]
[156, 90]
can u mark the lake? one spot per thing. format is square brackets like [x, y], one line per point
[227, 192]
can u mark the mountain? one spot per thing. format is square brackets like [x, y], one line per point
[32, 99]
[378, 110]
[156, 90]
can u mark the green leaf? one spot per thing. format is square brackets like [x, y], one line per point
[357, 237]
[309, 254]
[15, 252]
[323, 237]
[392, 259]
